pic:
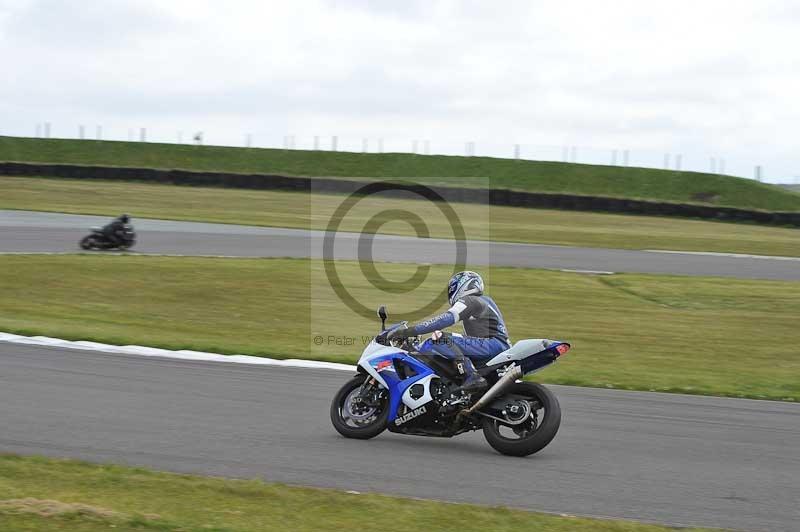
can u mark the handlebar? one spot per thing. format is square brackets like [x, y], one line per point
[402, 343]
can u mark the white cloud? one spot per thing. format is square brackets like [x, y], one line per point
[703, 78]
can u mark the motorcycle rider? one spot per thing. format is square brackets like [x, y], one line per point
[486, 333]
[115, 230]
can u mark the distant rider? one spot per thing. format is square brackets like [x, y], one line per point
[486, 333]
[115, 231]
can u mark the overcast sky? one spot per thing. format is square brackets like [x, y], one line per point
[700, 78]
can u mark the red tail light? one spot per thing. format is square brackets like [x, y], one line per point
[562, 349]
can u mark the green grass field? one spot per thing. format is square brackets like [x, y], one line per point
[44, 495]
[681, 334]
[301, 210]
[445, 170]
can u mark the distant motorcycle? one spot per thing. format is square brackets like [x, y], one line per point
[405, 387]
[97, 240]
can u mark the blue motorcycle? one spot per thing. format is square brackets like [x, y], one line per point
[406, 387]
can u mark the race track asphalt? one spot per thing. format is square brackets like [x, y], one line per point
[23, 231]
[675, 459]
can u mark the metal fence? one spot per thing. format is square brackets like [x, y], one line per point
[675, 159]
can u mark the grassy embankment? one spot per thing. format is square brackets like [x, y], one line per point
[568, 178]
[648, 332]
[313, 211]
[39, 494]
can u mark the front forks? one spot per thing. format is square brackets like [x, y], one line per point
[369, 393]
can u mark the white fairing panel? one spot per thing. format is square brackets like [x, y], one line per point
[375, 350]
[426, 397]
[520, 350]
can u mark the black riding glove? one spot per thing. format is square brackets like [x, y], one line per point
[401, 332]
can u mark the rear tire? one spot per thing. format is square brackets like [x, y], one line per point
[343, 419]
[543, 430]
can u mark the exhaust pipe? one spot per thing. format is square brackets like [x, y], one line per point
[508, 378]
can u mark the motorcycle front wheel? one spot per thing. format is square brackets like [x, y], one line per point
[88, 242]
[352, 417]
[535, 432]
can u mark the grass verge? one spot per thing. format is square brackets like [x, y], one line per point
[313, 211]
[647, 332]
[568, 178]
[40, 494]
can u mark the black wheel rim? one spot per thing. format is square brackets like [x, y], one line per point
[527, 427]
[358, 415]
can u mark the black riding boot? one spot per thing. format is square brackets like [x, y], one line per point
[473, 382]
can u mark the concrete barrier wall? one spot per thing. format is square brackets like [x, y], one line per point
[452, 194]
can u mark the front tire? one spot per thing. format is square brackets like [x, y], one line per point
[352, 420]
[88, 242]
[539, 429]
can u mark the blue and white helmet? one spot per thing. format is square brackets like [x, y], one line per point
[464, 284]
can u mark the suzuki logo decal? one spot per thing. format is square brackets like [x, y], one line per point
[411, 415]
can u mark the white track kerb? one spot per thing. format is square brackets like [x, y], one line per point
[139, 350]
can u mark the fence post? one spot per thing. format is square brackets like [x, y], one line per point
[426, 147]
[142, 135]
[47, 130]
[380, 145]
[316, 142]
[248, 140]
[81, 132]
[334, 143]
[678, 161]
[363, 145]
[516, 152]
[574, 154]
[758, 172]
[626, 157]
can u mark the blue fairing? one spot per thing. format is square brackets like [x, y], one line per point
[398, 386]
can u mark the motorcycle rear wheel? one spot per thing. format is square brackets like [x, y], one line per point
[533, 435]
[352, 421]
